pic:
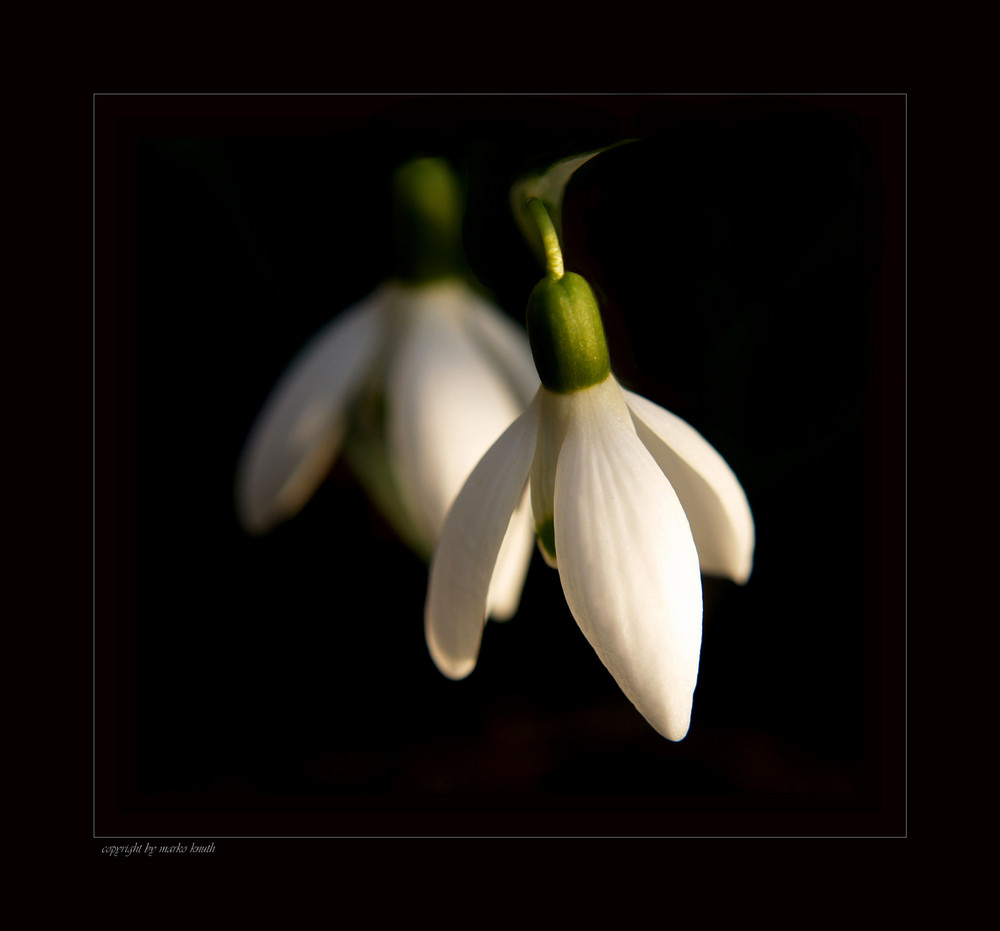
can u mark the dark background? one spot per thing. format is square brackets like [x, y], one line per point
[748, 255]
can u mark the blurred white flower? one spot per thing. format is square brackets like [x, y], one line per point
[629, 502]
[415, 382]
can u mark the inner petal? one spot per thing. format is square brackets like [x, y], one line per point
[554, 414]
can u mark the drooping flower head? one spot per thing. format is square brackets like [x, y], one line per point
[412, 384]
[629, 503]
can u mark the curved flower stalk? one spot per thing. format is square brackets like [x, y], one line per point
[412, 384]
[549, 186]
[629, 503]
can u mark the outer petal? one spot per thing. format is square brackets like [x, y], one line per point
[507, 343]
[447, 403]
[297, 434]
[627, 560]
[512, 564]
[713, 499]
[466, 555]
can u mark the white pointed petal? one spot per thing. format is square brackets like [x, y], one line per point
[465, 557]
[512, 564]
[296, 437]
[627, 561]
[507, 342]
[715, 503]
[447, 404]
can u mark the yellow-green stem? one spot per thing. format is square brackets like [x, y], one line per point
[550, 239]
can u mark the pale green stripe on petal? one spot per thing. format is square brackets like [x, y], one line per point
[627, 560]
[713, 499]
[466, 555]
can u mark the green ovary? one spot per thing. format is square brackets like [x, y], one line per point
[566, 334]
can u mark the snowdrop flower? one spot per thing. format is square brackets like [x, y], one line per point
[630, 504]
[413, 384]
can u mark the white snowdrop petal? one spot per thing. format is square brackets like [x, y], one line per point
[507, 343]
[297, 435]
[463, 563]
[446, 404]
[512, 564]
[713, 499]
[627, 560]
